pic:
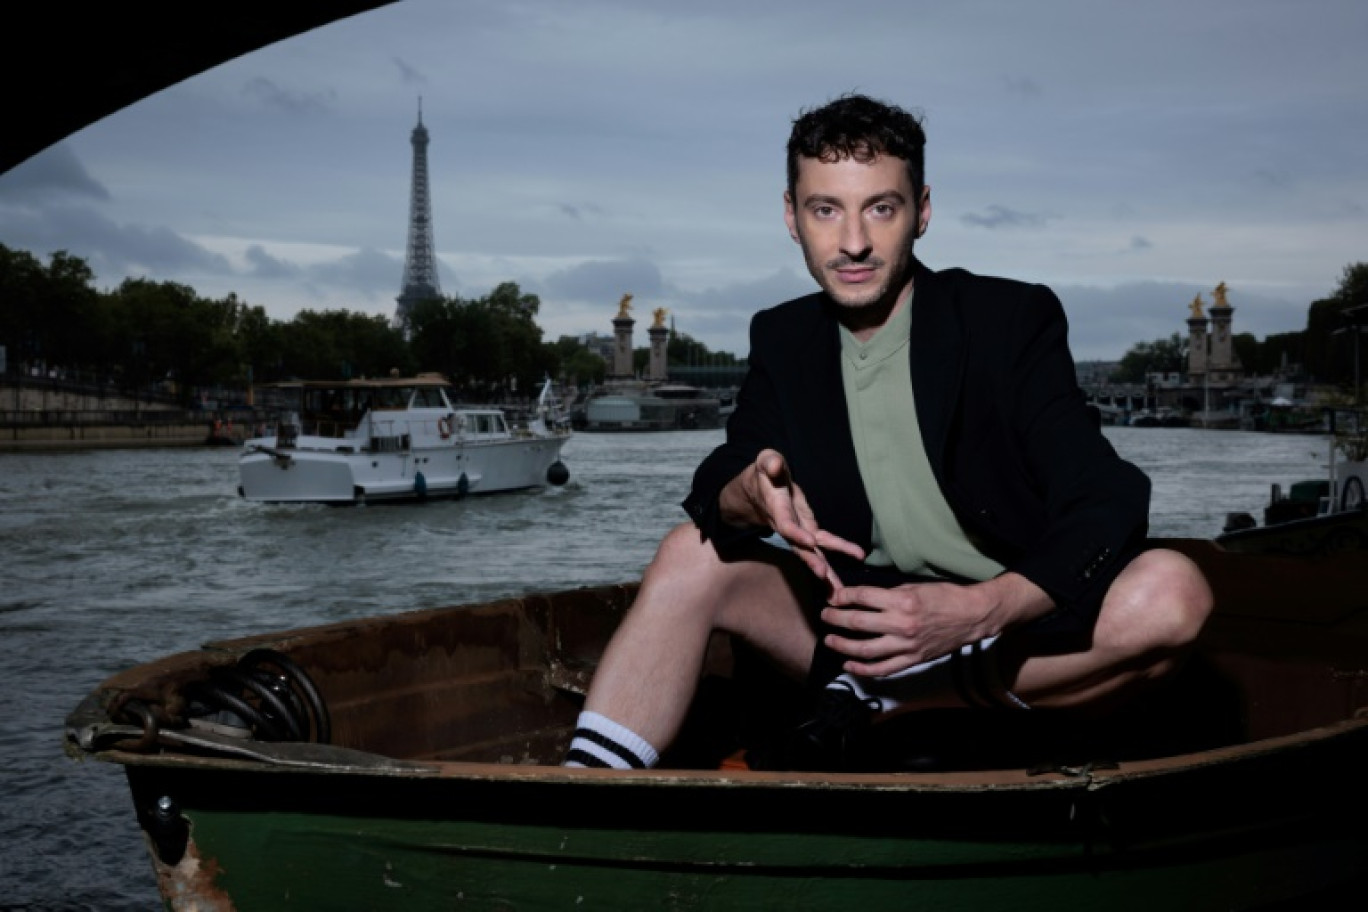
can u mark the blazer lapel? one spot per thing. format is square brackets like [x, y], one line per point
[839, 497]
[937, 352]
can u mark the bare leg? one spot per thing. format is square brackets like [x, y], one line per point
[1153, 612]
[650, 669]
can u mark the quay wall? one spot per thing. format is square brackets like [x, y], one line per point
[40, 416]
[103, 436]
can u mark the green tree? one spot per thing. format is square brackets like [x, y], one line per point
[486, 346]
[23, 282]
[51, 316]
[1331, 344]
[341, 344]
[1160, 356]
[576, 364]
[1248, 352]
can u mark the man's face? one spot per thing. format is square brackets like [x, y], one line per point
[856, 223]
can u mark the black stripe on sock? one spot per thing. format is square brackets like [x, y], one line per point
[627, 755]
[584, 758]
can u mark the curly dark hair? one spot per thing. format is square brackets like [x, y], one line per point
[859, 127]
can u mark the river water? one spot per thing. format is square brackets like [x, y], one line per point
[112, 558]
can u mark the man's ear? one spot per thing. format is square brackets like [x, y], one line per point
[924, 211]
[790, 217]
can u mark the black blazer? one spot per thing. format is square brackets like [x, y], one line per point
[1017, 451]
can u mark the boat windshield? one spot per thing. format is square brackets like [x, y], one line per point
[427, 397]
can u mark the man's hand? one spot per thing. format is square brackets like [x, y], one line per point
[766, 495]
[917, 622]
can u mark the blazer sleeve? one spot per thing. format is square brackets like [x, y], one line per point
[755, 425]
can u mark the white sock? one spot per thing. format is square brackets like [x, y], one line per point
[600, 742]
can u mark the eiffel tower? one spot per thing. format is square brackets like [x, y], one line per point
[420, 263]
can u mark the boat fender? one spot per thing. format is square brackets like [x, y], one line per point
[444, 426]
[462, 485]
[168, 829]
[558, 474]
[419, 484]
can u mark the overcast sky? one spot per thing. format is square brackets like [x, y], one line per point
[1131, 155]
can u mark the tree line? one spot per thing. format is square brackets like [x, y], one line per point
[146, 334]
[1324, 352]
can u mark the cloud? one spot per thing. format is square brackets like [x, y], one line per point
[605, 280]
[1001, 217]
[54, 175]
[368, 274]
[114, 250]
[577, 211]
[266, 90]
[409, 75]
[265, 266]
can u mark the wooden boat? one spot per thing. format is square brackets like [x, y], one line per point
[410, 761]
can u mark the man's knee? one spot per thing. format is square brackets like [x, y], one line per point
[1159, 604]
[683, 550]
[685, 560]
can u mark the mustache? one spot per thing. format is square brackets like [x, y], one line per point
[842, 261]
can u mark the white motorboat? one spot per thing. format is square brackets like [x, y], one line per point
[398, 438]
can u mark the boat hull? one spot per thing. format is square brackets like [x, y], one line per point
[1246, 835]
[313, 476]
[1239, 785]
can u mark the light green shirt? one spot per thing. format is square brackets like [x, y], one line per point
[914, 528]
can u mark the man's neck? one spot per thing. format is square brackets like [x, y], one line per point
[864, 322]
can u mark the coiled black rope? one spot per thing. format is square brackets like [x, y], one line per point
[266, 693]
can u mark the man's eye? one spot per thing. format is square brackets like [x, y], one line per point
[883, 210]
[823, 211]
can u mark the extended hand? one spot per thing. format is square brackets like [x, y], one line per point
[773, 499]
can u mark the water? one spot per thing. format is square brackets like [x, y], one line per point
[113, 558]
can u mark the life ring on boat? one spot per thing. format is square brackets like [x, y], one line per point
[444, 426]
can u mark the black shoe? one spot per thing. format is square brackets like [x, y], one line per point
[830, 740]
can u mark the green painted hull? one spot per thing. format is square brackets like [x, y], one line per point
[1228, 834]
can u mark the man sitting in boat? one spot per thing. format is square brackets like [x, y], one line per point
[953, 529]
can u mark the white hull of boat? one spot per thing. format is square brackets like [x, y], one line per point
[316, 476]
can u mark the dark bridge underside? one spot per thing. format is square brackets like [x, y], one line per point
[68, 65]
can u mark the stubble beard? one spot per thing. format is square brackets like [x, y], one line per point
[858, 303]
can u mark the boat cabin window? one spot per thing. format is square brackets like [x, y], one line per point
[391, 397]
[428, 397]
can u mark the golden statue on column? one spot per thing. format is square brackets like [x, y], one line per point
[1219, 293]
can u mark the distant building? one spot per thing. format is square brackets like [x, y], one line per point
[598, 343]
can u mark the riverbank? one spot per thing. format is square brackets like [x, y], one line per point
[44, 414]
[107, 436]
